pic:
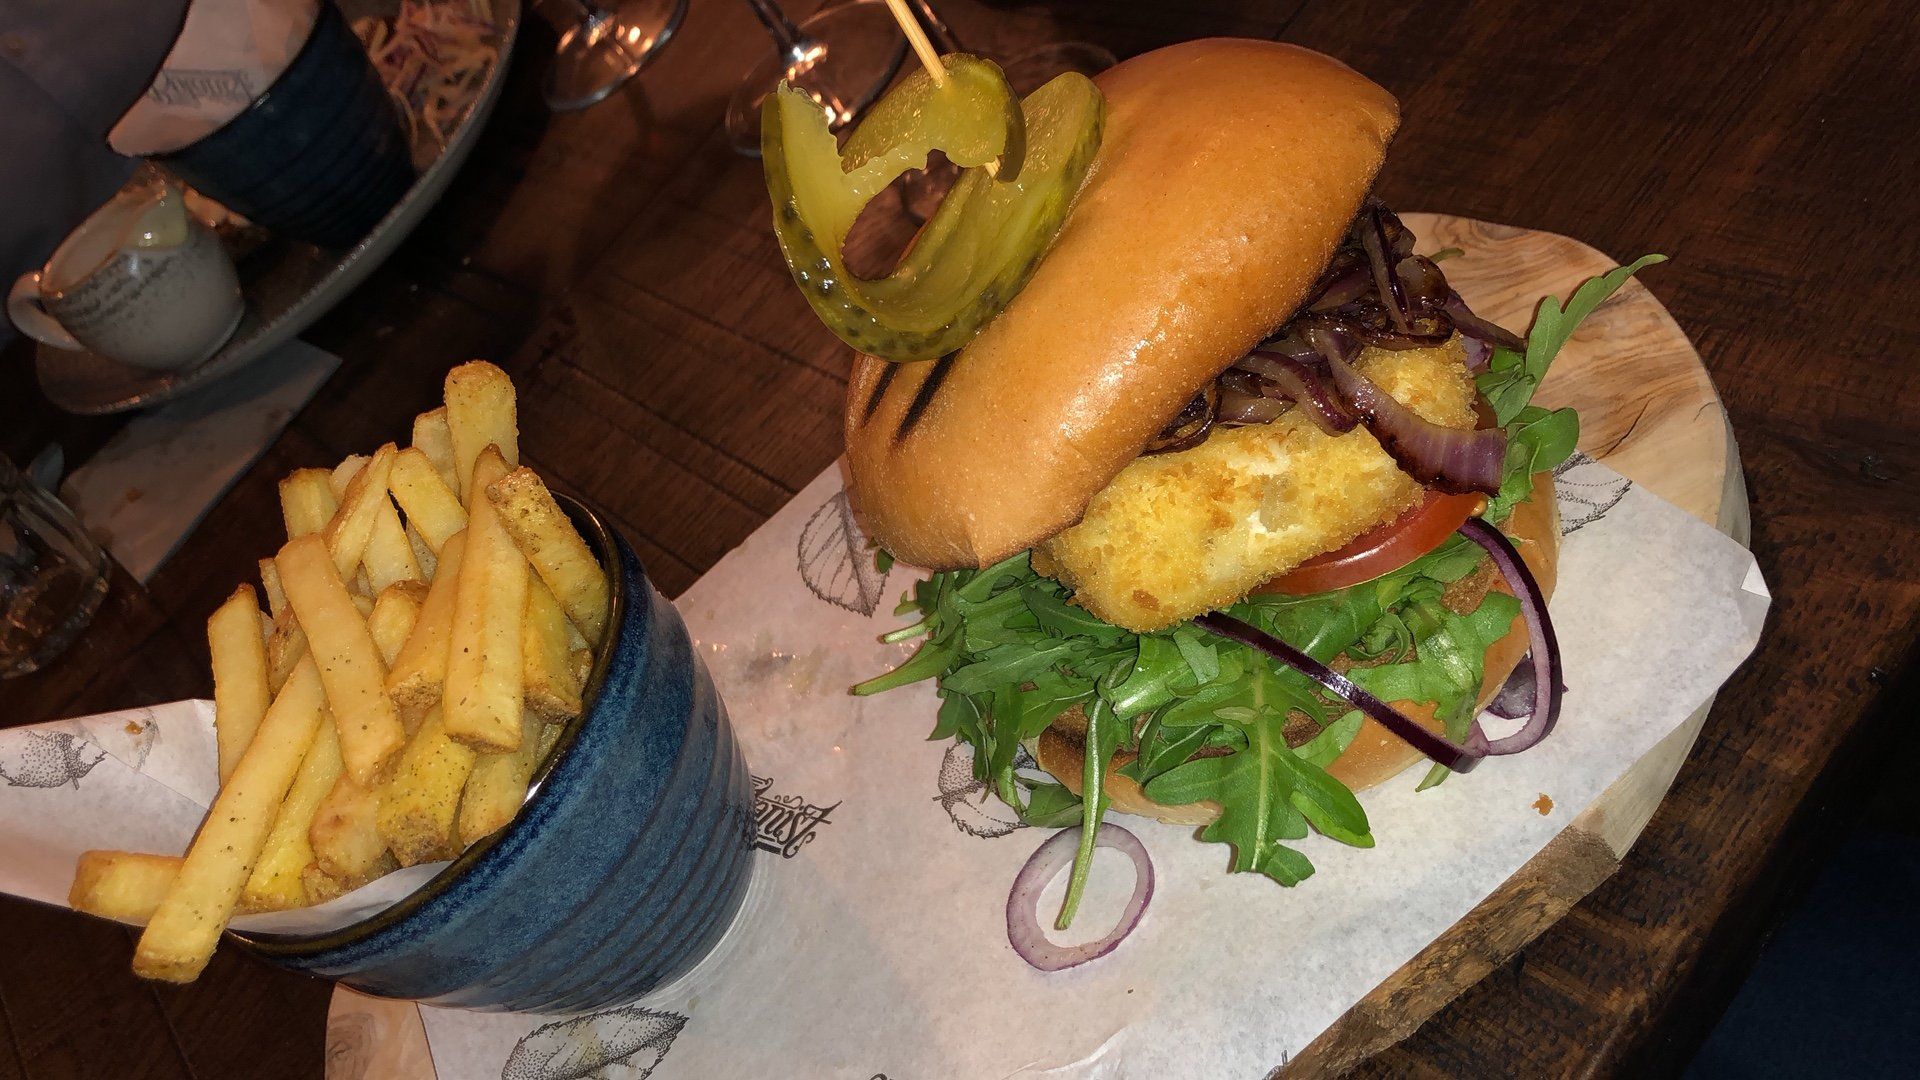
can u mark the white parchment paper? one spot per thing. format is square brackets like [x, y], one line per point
[873, 941]
[876, 945]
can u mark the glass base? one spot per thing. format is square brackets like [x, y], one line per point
[609, 46]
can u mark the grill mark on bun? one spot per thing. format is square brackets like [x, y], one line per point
[923, 397]
[880, 385]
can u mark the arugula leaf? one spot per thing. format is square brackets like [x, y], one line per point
[1538, 440]
[1050, 806]
[1254, 789]
[1511, 378]
[1101, 739]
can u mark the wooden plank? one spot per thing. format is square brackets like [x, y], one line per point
[72, 1007]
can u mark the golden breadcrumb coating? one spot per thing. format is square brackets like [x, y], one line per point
[1175, 535]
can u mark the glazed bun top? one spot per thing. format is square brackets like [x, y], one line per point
[1227, 175]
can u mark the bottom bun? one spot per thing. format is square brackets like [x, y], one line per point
[1376, 753]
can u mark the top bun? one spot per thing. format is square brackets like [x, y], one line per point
[1227, 176]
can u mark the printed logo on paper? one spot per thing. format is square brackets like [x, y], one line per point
[783, 824]
[190, 89]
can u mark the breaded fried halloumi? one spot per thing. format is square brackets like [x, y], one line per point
[1175, 535]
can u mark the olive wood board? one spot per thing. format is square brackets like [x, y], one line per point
[1648, 409]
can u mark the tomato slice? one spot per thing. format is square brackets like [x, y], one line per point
[1382, 549]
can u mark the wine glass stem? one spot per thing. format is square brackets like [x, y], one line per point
[786, 36]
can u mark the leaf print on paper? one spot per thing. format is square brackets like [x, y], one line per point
[618, 1044]
[975, 809]
[47, 759]
[1583, 502]
[836, 562]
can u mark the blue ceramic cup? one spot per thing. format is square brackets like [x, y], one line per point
[622, 870]
[321, 156]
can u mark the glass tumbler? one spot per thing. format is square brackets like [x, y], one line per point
[52, 575]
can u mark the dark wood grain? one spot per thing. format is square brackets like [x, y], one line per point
[618, 263]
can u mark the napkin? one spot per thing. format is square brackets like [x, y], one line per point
[152, 483]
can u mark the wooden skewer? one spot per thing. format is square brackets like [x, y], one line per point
[917, 37]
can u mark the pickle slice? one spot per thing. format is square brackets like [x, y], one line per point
[980, 246]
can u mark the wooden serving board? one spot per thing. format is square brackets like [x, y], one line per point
[1648, 409]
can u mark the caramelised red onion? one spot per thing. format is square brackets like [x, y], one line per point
[1544, 660]
[1190, 426]
[1450, 459]
[1478, 353]
[1302, 385]
[1426, 286]
[1239, 408]
[1023, 903]
[1472, 326]
[1373, 241]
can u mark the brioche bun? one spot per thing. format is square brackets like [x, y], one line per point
[1376, 753]
[1227, 176]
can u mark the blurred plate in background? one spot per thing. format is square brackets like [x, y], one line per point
[289, 285]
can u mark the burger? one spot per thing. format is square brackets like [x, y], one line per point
[1234, 508]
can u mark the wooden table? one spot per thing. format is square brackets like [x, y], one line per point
[618, 262]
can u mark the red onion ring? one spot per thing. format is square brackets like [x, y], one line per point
[1023, 904]
[1544, 658]
[1545, 645]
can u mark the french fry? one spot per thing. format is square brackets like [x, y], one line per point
[275, 883]
[432, 437]
[552, 690]
[342, 647]
[187, 924]
[485, 689]
[340, 477]
[286, 644]
[345, 834]
[582, 666]
[389, 556]
[480, 413]
[125, 886]
[320, 885]
[270, 581]
[352, 525]
[431, 506]
[498, 784]
[549, 738]
[395, 611]
[418, 805]
[554, 547]
[240, 691]
[422, 554]
[306, 501]
[420, 670]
